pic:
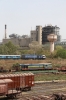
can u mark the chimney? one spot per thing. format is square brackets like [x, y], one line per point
[5, 31]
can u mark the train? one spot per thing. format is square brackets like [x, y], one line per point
[5, 90]
[22, 81]
[24, 56]
[33, 56]
[35, 67]
[13, 84]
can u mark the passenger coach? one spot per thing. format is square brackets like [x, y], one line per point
[10, 56]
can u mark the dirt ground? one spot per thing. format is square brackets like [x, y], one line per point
[44, 91]
[7, 64]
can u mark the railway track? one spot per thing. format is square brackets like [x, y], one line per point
[43, 91]
[39, 71]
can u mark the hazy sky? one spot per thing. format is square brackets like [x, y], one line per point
[21, 15]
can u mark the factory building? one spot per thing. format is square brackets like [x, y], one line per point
[22, 42]
[39, 35]
[36, 35]
[50, 30]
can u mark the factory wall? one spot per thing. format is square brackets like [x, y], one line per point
[25, 42]
[15, 41]
[21, 42]
[33, 35]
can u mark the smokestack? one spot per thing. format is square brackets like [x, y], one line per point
[5, 31]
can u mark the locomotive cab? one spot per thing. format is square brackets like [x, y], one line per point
[24, 67]
[43, 56]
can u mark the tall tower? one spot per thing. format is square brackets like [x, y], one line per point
[5, 31]
[39, 34]
[52, 38]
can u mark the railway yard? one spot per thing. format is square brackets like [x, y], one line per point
[49, 84]
[43, 91]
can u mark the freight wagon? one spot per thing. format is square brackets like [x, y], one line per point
[62, 69]
[5, 90]
[22, 81]
[34, 67]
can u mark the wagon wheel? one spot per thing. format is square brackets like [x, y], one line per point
[12, 96]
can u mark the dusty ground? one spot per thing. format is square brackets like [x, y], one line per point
[46, 89]
[39, 91]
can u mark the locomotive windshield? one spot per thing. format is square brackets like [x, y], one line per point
[43, 56]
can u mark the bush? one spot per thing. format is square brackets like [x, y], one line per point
[16, 67]
[61, 53]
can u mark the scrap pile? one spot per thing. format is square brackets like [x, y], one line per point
[43, 97]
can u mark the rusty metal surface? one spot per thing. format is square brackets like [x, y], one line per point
[5, 81]
[22, 80]
[3, 89]
[19, 80]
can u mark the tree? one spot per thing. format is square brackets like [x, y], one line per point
[3, 49]
[61, 53]
[11, 48]
[8, 48]
[58, 47]
[16, 67]
[35, 46]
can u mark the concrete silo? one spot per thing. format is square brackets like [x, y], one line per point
[39, 34]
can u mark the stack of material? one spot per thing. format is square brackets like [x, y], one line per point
[59, 96]
[51, 97]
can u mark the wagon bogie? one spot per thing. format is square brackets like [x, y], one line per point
[12, 93]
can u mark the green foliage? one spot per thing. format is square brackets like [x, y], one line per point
[61, 53]
[11, 48]
[56, 65]
[16, 67]
[35, 46]
[24, 51]
[17, 64]
[8, 48]
[58, 47]
[3, 49]
[40, 51]
[50, 77]
[54, 54]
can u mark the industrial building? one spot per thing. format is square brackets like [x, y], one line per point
[36, 35]
[50, 30]
[39, 35]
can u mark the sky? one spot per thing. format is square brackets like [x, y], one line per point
[21, 16]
